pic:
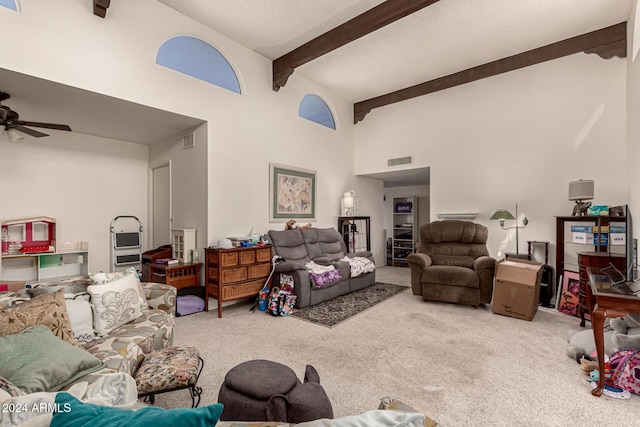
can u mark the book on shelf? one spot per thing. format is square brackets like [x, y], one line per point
[167, 261]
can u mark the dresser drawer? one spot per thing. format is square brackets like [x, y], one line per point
[241, 290]
[263, 255]
[259, 270]
[231, 275]
[248, 257]
[228, 259]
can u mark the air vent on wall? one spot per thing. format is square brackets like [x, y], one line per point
[399, 161]
[188, 141]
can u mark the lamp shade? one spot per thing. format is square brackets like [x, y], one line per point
[347, 200]
[502, 214]
[581, 190]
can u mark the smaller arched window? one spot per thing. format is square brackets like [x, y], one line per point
[313, 108]
[9, 4]
[198, 59]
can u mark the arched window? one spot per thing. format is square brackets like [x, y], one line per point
[9, 4]
[313, 108]
[198, 59]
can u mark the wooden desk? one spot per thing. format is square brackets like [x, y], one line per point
[180, 275]
[607, 300]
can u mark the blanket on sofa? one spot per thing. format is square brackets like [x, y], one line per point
[36, 409]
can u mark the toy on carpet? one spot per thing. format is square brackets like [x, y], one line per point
[581, 344]
[292, 225]
[626, 332]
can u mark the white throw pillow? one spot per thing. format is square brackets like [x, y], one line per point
[81, 317]
[114, 304]
[101, 278]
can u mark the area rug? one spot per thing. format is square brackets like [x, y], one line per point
[332, 312]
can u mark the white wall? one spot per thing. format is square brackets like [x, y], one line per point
[633, 112]
[116, 56]
[518, 137]
[82, 181]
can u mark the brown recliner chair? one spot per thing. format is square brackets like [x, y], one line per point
[452, 263]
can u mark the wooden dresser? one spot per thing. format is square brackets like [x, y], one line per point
[594, 259]
[236, 273]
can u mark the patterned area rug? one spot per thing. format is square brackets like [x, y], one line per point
[330, 313]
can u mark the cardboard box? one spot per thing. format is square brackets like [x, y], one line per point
[516, 291]
[11, 285]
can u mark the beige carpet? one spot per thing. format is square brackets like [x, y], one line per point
[459, 365]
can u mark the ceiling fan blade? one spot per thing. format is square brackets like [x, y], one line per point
[31, 132]
[45, 125]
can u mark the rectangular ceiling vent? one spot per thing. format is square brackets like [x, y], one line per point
[188, 141]
[400, 161]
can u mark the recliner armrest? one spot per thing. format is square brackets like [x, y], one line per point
[484, 263]
[419, 259]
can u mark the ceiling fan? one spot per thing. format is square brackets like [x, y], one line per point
[11, 122]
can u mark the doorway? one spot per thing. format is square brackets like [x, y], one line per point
[160, 205]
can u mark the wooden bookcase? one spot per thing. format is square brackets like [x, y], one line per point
[236, 273]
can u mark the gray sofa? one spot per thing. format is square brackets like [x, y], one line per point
[324, 246]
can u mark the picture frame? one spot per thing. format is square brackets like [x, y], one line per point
[568, 295]
[292, 193]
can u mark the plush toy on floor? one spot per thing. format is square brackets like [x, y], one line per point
[581, 344]
[626, 332]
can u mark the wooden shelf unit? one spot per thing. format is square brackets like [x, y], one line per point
[405, 229]
[35, 267]
[356, 232]
[236, 273]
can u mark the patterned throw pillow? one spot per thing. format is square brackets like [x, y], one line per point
[49, 310]
[102, 278]
[114, 304]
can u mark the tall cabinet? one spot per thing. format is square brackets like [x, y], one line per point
[405, 229]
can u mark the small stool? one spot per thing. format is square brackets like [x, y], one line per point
[259, 390]
[170, 369]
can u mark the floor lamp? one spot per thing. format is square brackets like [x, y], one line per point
[504, 214]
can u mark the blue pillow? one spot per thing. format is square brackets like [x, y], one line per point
[70, 412]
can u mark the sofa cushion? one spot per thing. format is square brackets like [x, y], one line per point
[114, 304]
[49, 310]
[450, 275]
[125, 347]
[325, 242]
[290, 245]
[35, 360]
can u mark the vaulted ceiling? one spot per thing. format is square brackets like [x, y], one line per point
[375, 53]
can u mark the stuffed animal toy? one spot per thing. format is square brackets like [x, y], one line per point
[626, 332]
[292, 225]
[581, 344]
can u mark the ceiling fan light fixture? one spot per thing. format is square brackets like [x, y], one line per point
[14, 135]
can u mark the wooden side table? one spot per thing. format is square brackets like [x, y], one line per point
[597, 260]
[608, 300]
[180, 275]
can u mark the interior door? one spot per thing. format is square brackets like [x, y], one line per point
[161, 205]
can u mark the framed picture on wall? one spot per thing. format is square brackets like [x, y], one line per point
[569, 298]
[292, 193]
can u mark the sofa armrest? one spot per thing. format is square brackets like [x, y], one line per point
[363, 254]
[160, 296]
[418, 261]
[289, 266]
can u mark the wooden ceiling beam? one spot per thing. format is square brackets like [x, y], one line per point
[606, 42]
[363, 24]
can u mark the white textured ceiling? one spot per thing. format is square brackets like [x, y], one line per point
[444, 38]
